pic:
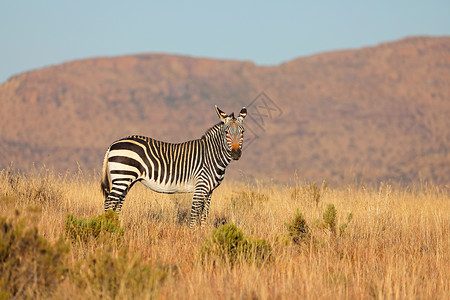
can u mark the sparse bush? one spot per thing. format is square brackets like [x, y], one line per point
[329, 218]
[228, 244]
[224, 244]
[103, 276]
[41, 189]
[343, 226]
[298, 229]
[105, 227]
[257, 250]
[312, 192]
[30, 267]
[247, 199]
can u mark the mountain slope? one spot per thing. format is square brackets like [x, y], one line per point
[377, 113]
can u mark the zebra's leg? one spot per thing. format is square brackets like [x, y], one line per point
[198, 203]
[117, 194]
[111, 202]
[205, 212]
[120, 203]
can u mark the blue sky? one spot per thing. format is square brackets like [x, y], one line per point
[35, 34]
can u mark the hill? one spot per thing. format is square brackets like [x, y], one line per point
[378, 113]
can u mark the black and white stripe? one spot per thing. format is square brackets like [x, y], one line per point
[196, 166]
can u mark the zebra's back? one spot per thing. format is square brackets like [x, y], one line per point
[163, 167]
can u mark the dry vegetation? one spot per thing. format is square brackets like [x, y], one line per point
[352, 242]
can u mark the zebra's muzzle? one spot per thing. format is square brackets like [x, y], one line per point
[236, 153]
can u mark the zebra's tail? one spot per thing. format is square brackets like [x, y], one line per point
[105, 184]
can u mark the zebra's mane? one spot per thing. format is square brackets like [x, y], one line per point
[213, 130]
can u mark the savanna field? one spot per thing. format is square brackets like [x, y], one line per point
[262, 241]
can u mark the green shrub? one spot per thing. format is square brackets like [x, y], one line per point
[227, 244]
[329, 218]
[257, 250]
[30, 267]
[298, 229]
[343, 226]
[102, 276]
[224, 244]
[102, 227]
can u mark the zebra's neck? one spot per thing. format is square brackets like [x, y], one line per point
[212, 132]
[215, 141]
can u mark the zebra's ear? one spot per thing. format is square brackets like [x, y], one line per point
[242, 114]
[223, 116]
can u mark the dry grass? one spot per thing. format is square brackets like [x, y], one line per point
[395, 246]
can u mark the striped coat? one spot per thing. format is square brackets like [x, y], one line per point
[196, 166]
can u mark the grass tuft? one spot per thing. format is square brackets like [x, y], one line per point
[102, 227]
[227, 244]
[329, 218]
[298, 228]
[126, 276]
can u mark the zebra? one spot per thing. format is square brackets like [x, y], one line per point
[196, 166]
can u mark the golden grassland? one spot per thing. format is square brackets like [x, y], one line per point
[396, 244]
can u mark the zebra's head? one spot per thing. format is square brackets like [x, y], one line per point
[233, 131]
